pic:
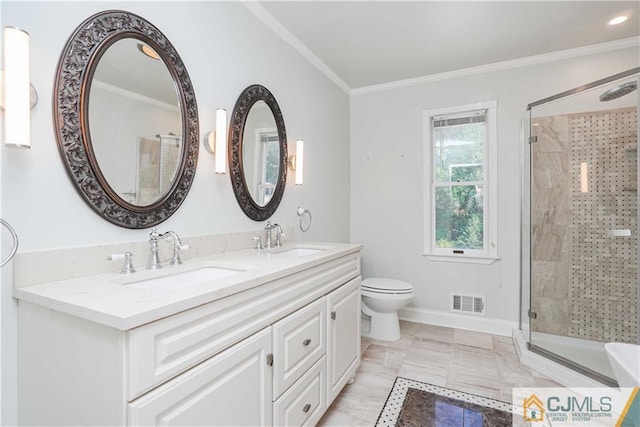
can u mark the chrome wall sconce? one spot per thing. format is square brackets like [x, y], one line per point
[18, 95]
[216, 142]
[296, 162]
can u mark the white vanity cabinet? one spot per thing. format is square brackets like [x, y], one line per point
[274, 354]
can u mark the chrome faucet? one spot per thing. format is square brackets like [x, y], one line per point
[177, 247]
[269, 243]
[279, 235]
[268, 240]
[154, 260]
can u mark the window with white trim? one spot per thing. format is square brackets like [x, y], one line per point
[460, 183]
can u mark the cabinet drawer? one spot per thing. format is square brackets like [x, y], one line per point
[305, 402]
[299, 340]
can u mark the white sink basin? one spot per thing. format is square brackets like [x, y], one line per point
[184, 279]
[300, 251]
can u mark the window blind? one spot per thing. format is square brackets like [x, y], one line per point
[460, 118]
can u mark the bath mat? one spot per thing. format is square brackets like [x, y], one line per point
[413, 403]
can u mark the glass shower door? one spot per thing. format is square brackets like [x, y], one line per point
[583, 225]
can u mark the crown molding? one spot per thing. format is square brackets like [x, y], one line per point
[505, 65]
[271, 22]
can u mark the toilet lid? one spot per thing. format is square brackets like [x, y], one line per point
[374, 284]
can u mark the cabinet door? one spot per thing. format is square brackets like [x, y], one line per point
[231, 388]
[343, 349]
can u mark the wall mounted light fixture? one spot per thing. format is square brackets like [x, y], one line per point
[19, 95]
[216, 142]
[296, 161]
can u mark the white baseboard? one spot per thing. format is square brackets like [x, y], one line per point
[460, 321]
[560, 374]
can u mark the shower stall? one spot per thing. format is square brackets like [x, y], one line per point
[580, 223]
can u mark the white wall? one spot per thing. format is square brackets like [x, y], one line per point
[387, 176]
[225, 49]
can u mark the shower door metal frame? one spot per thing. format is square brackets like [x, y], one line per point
[582, 88]
[527, 146]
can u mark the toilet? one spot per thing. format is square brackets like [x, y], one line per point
[381, 300]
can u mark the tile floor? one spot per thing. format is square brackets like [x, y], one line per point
[473, 362]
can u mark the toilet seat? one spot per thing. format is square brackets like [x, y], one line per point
[381, 300]
[386, 286]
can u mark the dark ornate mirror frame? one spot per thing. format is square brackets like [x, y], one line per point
[247, 98]
[71, 90]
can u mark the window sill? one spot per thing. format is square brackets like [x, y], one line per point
[466, 259]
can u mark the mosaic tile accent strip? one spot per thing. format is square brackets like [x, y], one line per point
[603, 293]
[393, 406]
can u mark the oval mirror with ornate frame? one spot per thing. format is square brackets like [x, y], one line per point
[87, 168]
[258, 152]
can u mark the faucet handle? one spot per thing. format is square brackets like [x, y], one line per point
[279, 237]
[258, 240]
[177, 251]
[127, 267]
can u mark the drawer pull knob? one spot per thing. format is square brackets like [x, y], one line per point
[333, 315]
[306, 407]
[306, 342]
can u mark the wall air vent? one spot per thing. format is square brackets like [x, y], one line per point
[467, 303]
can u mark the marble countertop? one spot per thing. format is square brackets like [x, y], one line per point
[110, 300]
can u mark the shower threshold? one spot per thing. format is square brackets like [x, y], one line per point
[588, 354]
[564, 371]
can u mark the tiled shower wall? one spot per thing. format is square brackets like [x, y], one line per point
[604, 287]
[584, 273]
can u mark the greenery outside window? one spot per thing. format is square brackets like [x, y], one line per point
[460, 183]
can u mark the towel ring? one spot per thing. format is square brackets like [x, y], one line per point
[14, 236]
[301, 213]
